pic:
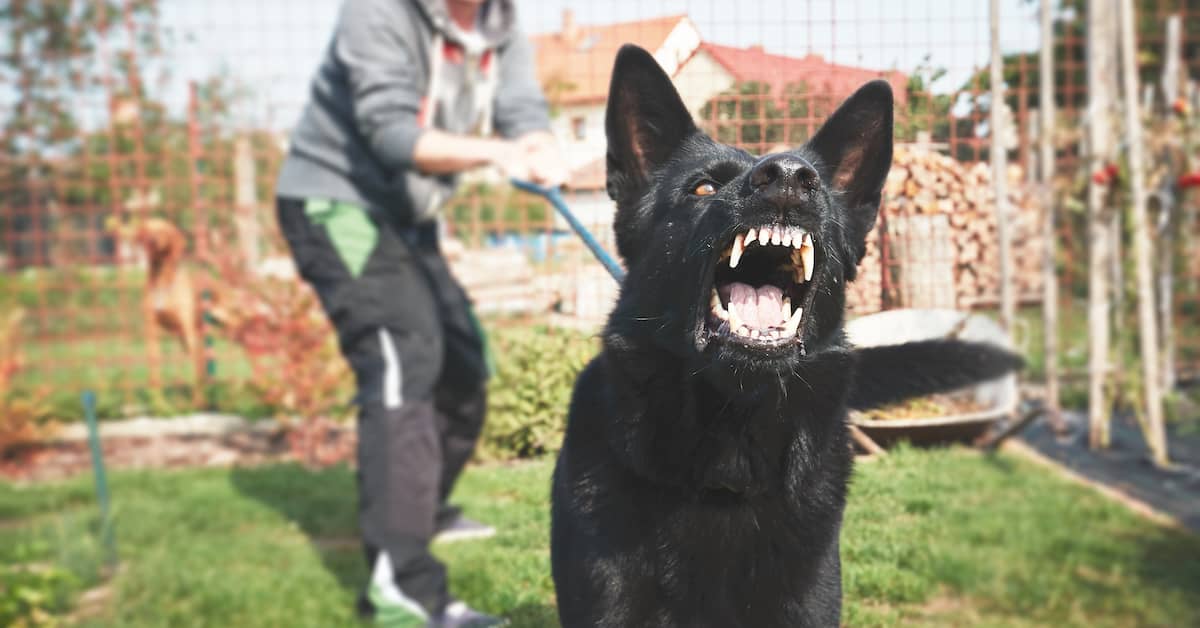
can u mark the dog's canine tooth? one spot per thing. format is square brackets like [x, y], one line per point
[717, 308]
[764, 236]
[807, 254]
[793, 323]
[751, 236]
[787, 308]
[739, 247]
[735, 321]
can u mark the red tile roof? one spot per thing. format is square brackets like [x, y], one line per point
[575, 66]
[753, 64]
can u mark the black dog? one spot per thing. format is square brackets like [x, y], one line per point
[704, 471]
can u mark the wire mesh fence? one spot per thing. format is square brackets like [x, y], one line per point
[141, 139]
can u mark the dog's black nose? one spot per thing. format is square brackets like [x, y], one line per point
[783, 179]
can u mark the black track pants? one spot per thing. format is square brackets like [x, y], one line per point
[406, 328]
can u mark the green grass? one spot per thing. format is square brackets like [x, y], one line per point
[117, 368]
[945, 538]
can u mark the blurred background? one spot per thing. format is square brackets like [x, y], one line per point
[140, 262]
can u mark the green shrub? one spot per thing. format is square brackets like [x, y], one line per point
[528, 396]
[32, 594]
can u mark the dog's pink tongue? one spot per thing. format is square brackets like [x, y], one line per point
[758, 309]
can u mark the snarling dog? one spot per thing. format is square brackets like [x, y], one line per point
[704, 471]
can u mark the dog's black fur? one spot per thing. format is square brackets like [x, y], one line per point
[702, 479]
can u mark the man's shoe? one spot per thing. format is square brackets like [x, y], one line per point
[378, 609]
[458, 615]
[452, 526]
[384, 604]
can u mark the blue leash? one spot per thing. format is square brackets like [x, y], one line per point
[556, 199]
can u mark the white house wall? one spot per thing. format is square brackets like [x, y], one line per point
[700, 79]
[591, 147]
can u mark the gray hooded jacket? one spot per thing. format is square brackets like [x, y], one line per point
[393, 68]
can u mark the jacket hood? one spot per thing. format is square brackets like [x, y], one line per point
[498, 24]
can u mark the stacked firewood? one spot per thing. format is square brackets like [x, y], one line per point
[922, 187]
[865, 294]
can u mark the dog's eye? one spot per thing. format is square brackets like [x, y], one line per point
[706, 188]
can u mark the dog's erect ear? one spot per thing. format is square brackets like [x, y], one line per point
[645, 121]
[854, 151]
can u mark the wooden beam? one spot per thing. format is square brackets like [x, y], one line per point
[1101, 90]
[1147, 321]
[1046, 163]
[1167, 222]
[999, 154]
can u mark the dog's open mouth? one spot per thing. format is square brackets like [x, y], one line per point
[761, 285]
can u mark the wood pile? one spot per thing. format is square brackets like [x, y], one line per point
[923, 186]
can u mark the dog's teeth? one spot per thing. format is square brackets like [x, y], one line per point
[787, 238]
[751, 236]
[743, 331]
[764, 236]
[793, 323]
[739, 247]
[735, 321]
[806, 253]
[787, 308]
[777, 236]
[797, 238]
[717, 308]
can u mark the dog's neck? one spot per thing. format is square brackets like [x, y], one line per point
[690, 427]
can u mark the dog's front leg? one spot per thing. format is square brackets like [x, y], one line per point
[150, 333]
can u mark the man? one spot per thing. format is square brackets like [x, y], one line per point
[408, 96]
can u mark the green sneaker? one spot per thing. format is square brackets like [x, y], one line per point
[385, 604]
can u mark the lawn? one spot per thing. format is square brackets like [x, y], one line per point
[943, 538]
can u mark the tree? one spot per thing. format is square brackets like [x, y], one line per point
[58, 53]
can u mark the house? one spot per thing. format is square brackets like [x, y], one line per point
[714, 69]
[575, 67]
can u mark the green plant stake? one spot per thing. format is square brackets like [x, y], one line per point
[106, 522]
[210, 362]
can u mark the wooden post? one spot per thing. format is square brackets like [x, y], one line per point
[1147, 322]
[245, 201]
[999, 155]
[1101, 89]
[1166, 216]
[1046, 167]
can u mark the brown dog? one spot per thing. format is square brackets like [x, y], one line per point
[170, 299]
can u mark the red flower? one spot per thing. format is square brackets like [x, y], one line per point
[1189, 180]
[1107, 174]
[1180, 106]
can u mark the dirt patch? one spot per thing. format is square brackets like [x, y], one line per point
[1123, 472]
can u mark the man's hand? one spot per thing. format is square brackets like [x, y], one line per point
[533, 157]
[537, 157]
[546, 163]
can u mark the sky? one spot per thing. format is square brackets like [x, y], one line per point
[272, 47]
